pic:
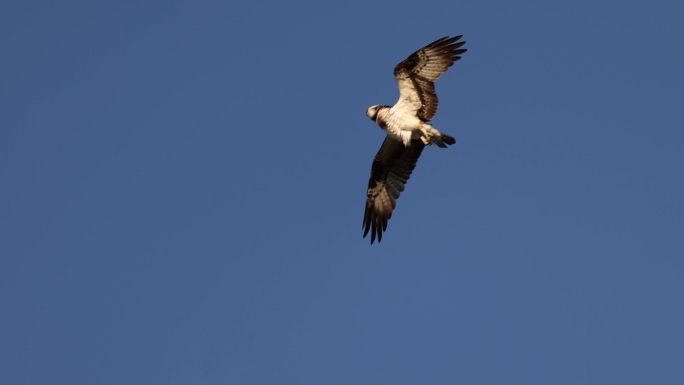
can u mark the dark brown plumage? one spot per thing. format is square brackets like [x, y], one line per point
[391, 170]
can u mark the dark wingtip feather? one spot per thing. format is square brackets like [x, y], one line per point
[370, 224]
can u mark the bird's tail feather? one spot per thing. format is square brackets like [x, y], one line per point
[443, 140]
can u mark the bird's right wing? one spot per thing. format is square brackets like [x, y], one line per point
[391, 169]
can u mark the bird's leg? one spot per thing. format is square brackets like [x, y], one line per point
[425, 136]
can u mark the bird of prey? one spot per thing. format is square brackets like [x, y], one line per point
[407, 127]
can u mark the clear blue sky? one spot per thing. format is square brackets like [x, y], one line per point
[182, 191]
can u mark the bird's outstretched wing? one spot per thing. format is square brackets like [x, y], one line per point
[416, 75]
[391, 170]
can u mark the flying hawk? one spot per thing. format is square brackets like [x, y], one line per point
[408, 130]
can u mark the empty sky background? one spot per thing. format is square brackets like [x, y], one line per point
[182, 187]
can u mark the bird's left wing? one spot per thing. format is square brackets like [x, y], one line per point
[391, 170]
[416, 75]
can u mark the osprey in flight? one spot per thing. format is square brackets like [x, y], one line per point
[408, 130]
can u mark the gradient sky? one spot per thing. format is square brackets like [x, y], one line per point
[183, 182]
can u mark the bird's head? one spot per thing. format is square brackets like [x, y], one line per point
[372, 112]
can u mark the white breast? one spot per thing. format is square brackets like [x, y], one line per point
[399, 124]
